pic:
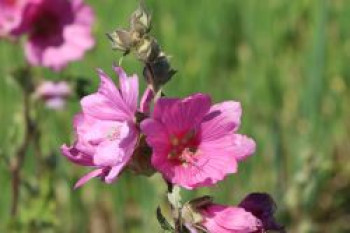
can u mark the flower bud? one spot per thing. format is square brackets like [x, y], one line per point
[121, 40]
[158, 72]
[262, 206]
[147, 50]
[140, 20]
[190, 212]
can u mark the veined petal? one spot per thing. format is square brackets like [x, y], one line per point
[108, 89]
[222, 119]
[129, 87]
[162, 106]
[206, 170]
[186, 114]
[100, 107]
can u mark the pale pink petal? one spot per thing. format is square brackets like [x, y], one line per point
[76, 156]
[113, 173]
[223, 119]
[220, 218]
[129, 87]
[33, 53]
[56, 103]
[109, 154]
[243, 146]
[87, 177]
[101, 107]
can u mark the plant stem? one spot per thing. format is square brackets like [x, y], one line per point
[175, 209]
[17, 162]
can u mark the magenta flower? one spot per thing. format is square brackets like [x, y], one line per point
[106, 133]
[54, 93]
[195, 144]
[227, 219]
[59, 31]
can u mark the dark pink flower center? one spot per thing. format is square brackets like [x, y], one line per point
[184, 147]
[46, 24]
[49, 22]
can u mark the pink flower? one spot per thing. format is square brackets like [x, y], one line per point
[195, 144]
[54, 93]
[10, 15]
[59, 31]
[106, 133]
[227, 219]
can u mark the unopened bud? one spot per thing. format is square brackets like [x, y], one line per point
[148, 50]
[190, 215]
[158, 72]
[190, 212]
[121, 40]
[140, 20]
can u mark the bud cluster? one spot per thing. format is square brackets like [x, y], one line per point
[136, 39]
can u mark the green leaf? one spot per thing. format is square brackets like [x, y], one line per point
[164, 224]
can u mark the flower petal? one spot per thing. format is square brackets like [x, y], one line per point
[113, 173]
[129, 87]
[156, 134]
[228, 219]
[146, 99]
[182, 116]
[222, 119]
[243, 146]
[103, 108]
[87, 177]
[76, 156]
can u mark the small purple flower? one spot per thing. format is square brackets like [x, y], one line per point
[54, 93]
[106, 133]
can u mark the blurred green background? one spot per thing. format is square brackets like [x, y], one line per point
[286, 61]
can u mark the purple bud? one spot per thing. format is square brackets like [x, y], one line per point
[262, 206]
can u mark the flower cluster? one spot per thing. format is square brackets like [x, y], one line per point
[190, 141]
[58, 31]
[193, 142]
